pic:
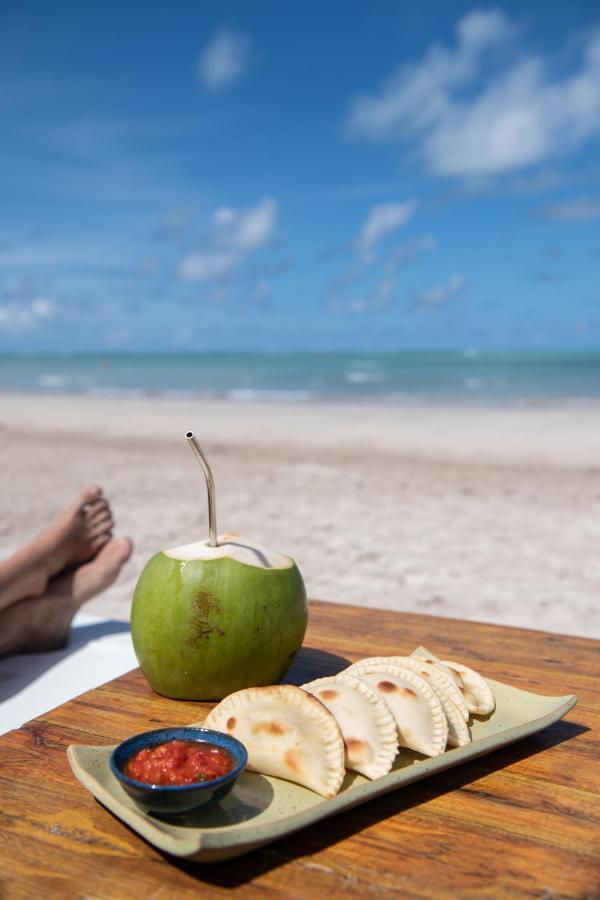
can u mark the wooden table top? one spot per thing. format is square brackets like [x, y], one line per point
[521, 822]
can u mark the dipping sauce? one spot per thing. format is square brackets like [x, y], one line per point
[179, 762]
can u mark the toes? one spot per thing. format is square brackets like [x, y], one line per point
[118, 550]
[99, 542]
[125, 549]
[90, 494]
[100, 528]
[101, 517]
[92, 509]
[100, 573]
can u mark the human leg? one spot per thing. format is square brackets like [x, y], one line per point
[39, 623]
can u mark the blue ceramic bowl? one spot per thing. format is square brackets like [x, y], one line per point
[173, 800]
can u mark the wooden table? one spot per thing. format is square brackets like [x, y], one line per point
[521, 822]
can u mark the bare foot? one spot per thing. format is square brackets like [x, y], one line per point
[95, 576]
[74, 536]
[42, 623]
[77, 534]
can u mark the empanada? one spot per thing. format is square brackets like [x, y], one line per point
[287, 733]
[365, 720]
[420, 719]
[427, 670]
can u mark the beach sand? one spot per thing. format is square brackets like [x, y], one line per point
[485, 514]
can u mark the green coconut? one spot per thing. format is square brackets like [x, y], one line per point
[210, 620]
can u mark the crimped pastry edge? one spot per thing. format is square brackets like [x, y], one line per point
[446, 683]
[385, 723]
[486, 702]
[440, 723]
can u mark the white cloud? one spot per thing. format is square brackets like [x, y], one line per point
[23, 315]
[381, 221]
[439, 294]
[236, 234]
[246, 229]
[207, 265]
[224, 60]
[519, 118]
[416, 95]
[581, 209]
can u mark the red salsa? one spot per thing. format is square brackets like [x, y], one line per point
[179, 762]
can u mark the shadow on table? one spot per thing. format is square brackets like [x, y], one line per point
[20, 670]
[310, 664]
[240, 871]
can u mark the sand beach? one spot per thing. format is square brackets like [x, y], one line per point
[490, 514]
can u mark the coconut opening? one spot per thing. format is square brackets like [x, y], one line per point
[233, 546]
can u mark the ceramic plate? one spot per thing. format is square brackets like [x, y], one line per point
[261, 809]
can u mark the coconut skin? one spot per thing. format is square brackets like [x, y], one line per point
[203, 628]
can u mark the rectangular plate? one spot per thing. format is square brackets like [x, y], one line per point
[260, 808]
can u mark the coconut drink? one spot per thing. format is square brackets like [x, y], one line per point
[219, 615]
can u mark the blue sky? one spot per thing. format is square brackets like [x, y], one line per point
[279, 176]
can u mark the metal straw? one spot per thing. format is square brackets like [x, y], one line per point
[210, 484]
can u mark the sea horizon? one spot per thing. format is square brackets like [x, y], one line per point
[469, 375]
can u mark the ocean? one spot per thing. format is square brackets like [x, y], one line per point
[469, 376]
